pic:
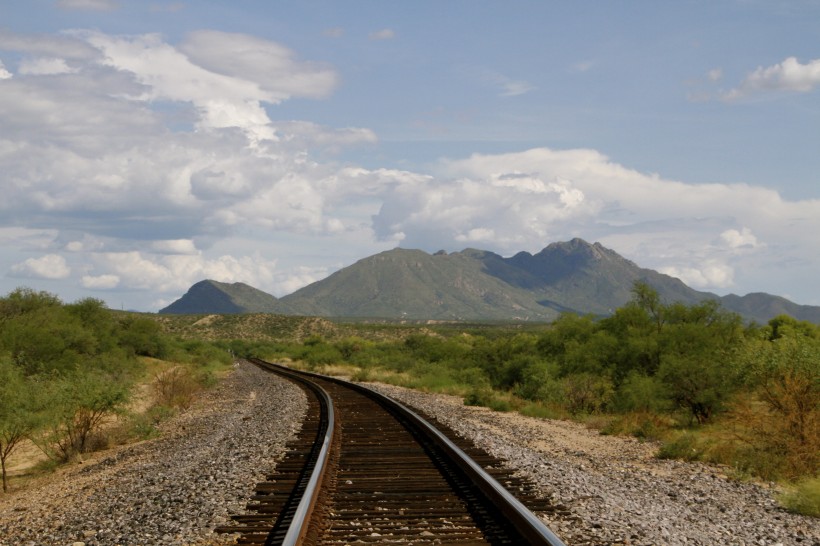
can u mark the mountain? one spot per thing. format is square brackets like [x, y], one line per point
[573, 276]
[212, 297]
[761, 307]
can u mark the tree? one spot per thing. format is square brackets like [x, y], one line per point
[697, 364]
[78, 404]
[786, 373]
[18, 417]
[143, 336]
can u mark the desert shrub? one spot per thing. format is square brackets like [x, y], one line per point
[143, 336]
[487, 398]
[174, 387]
[803, 498]
[786, 377]
[586, 393]
[319, 353]
[78, 405]
[640, 393]
[640, 424]
[683, 446]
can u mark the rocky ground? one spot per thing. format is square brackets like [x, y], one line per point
[616, 492]
[174, 490]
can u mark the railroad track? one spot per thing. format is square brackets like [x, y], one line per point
[366, 469]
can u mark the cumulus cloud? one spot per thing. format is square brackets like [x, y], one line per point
[4, 74]
[710, 275]
[100, 282]
[513, 207]
[742, 239]
[55, 46]
[789, 75]
[177, 272]
[137, 159]
[707, 234]
[50, 266]
[44, 66]
[175, 246]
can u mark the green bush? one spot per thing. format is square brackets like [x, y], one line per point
[587, 393]
[684, 446]
[803, 498]
[78, 404]
[642, 393]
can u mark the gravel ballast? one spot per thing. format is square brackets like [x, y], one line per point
[614, 489]
[174, 490]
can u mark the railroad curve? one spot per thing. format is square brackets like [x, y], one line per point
[367, 469]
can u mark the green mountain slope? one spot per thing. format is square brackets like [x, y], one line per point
[573, 276]
[206, 297]
[413, 284]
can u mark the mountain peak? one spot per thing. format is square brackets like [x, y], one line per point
[209, 296]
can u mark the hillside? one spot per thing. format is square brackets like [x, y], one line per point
[573, 276]
[221, 298]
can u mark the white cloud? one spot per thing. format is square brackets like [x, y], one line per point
[271, 66]
[44, 66]
[711, 275]
[50, 266]
[100, 282]
[740, 240]
[708, 234]
[55, 46]
[174, 246]
[789, 75]
[4, 74]
[163, 273]
[152, 167]
[384, 34]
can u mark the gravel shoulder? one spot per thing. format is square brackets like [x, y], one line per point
[613, 487]
[174, 490]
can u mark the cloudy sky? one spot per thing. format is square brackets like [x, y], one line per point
[147, 145]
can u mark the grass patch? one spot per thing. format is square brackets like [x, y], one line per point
[542, 411]
[643, 425]
[803, 498]
[682, 445]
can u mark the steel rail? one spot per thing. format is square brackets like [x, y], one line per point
[298, 527]
[528, 524]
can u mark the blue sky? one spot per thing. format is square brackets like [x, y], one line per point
[145, 146]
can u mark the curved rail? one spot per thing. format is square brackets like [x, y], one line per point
[301, 516]
[527, 524]
[310, 481]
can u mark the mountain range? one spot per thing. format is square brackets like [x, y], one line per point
[573, 276]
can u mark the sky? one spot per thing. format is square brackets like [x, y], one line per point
[148, 145]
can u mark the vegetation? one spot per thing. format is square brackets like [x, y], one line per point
[68, 370]
[694, 377]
